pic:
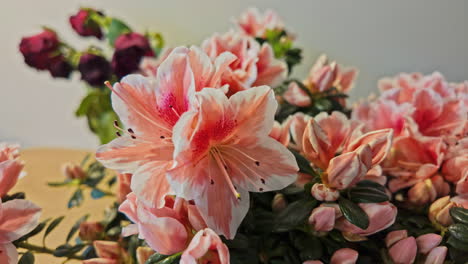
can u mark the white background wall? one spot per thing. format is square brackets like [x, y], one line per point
[379, 37]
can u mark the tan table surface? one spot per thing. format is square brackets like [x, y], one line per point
[44, 165]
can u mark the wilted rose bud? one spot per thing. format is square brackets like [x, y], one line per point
[84, 26]
[59, 67]
[143, 254]
[90, 231]
[38, 50]
[130, 48]
[322, 193]
[94, 69]
[279, 203]
[73, 172]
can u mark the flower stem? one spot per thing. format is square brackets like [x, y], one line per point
[43, 250]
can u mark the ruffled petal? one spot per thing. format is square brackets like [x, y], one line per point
[19, 217]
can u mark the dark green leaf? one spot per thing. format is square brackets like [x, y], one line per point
[97, 194]
[67, 250]
[76, 199]
[459, 231]
[18, 195]
[86, 103]
[459, 214]
[457, 244]
[353, 213]
[75, 227]
[368, 192]
[163, 259]
[295, 214]
[303, 163]
[116, 28]
[112, 181]
[323, 104]
[57, 184]
[35, 231]
[52, 226]
[27, 258]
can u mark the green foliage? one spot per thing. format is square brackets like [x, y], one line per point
[368, 192]
[163, 259]
[353, 213]
[27, 258]
[459, 214]
[116, 28]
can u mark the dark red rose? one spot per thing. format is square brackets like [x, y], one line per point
[59, 67]
[94, 69]
[83, 26]
[130, 48]
[39, 50]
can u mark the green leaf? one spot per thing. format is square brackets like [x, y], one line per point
[163, 259]
[155, 258]
[75, 227]
[57, 184]
[303, 163]
[27, 258]
[295, 214]
[116, 28]
[52, 226]
[35, 231]
[97, 194]
[459, 231]
[76, 199]
[459, 214]
[323, 104]
[67, 250]
[457, 244]
[353, 213]
[368, 192]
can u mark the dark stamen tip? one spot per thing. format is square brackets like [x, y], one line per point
[130, 130]
[162, 137]
[262, 180]
[260, 189]
[133, 137]
[257, 163]
[118, 134]
[212, 182]
[116, 123]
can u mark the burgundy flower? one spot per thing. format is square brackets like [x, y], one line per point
[83, 26]
[130, 48]
[94, 69]
[38, 50]
[59, 67]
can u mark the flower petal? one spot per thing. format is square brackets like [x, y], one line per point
[19, 217]
[8, 254]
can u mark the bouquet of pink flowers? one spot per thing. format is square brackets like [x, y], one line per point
[219, 156]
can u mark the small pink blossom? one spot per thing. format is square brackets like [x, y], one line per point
[428, 242]
[255, 24]
[322, 192]
[255, 65]
[436, 255]
[322, 218]
[206, 247]
[17, 218]
[280, 132]
[344, 256]
[10, 167]
[404, 251]
[394, 237]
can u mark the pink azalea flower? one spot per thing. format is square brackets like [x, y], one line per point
[223, 151]
[108, 252]
[164, 229]
[321, 192]
[10, 167]
[439, 211]
[17, 218]
[255, 65]
[280, 132]
[381, 216]
[149, 108]
[255, 24]
[206, 247]
[322, 77]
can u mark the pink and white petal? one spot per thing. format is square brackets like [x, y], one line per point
[165, 235]
[271, 71]
[254, 112]
[125, 154]
[380, 142]
[134, 101]
[347, 80]
[129, 230]
[19, 217]
[265, 166]
[296, 96]
[299, 123]
[8, 254]
[449, 124]
[10, 171]
[100, 261]
[149, 183]
[337, 128]
[221, 64]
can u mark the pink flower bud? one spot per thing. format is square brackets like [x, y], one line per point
[427, 242]
[441, 186]
[344, 256]
[296, 96]
[394, 237]
[322, 218]
[316, 145]
[109, 250]
[90, 231]
[280, 132]
[206, 247]
[422, 193]
[380, 142]
[143, 254]
[436, 256]
[279, 203]
[322, 193]
[404, 251]
[72, 172]
[439, 211]
[349, 168]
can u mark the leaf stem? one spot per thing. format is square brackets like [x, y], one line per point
[43, 250]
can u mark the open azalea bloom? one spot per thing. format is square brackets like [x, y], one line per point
[227, 152]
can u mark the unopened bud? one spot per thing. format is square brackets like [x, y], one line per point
[90, 231]
[72, 171]
[279, 203]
